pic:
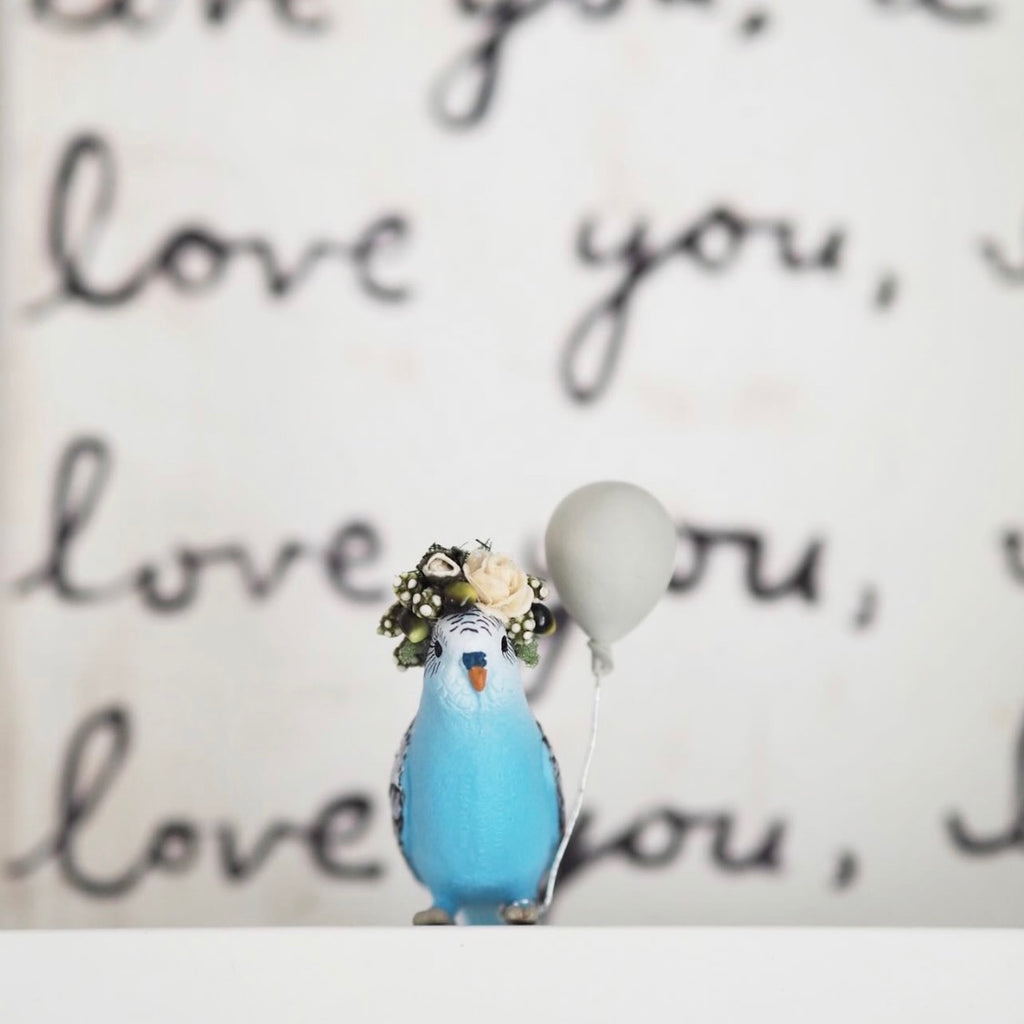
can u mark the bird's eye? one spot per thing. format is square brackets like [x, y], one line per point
[437, 649]
[504, 645]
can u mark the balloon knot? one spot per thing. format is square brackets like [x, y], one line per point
[601, 660]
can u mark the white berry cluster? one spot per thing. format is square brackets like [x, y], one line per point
[423, 601]
[522, 628]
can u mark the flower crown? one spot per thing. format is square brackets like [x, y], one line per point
[448, 579]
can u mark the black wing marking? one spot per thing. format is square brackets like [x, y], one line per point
[397, 794]
[558, 781]
[541, 893]
[395, 790]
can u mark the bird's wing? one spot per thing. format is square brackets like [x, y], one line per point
[397, 793]
[556, 779]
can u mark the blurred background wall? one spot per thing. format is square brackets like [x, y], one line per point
[294, 288]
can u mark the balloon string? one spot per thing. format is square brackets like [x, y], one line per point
[601, 665]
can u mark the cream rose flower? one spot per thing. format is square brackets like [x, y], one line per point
[500, 584]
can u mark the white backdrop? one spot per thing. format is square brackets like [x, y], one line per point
[763, 260]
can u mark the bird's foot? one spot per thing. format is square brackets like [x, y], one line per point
[435, 915]
[520, 912]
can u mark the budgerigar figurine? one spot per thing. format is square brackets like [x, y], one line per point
[475, 793]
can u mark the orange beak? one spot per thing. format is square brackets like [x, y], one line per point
[478, 677]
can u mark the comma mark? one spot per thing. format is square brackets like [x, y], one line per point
[867, 610]
[846, 870]
[886, 291]
[1002, 265]
[754, 23]
[1013, 547]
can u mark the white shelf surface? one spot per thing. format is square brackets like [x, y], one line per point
[303, 976]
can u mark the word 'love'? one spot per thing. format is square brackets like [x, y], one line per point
[193, 258]
[174, 844]
[82, 474]
[139, 15]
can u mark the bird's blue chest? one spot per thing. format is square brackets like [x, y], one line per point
[481, 811]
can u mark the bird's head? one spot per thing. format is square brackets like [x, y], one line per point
[470, 661]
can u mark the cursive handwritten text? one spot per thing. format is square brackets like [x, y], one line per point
[712, 243]
[138, 15]
[103, 740]
[952, 11]
[465, 90]
[82, 475]
[1011, 837]
[191, 259]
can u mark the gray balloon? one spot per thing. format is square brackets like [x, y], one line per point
[611, 550]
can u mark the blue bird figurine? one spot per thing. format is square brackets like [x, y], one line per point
[475, 792]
